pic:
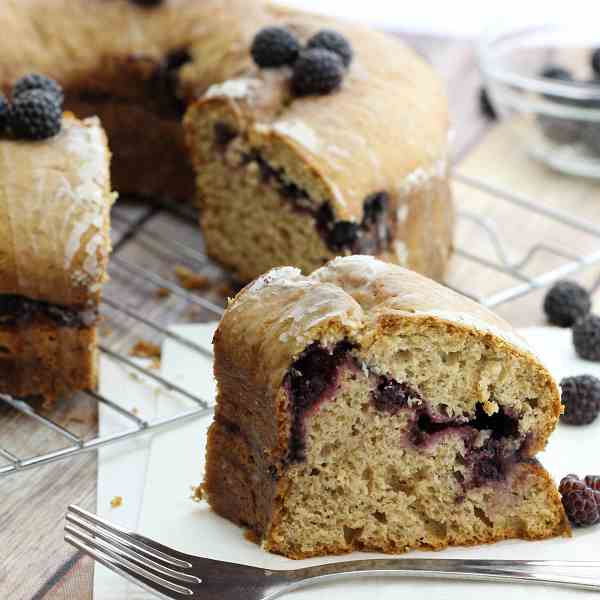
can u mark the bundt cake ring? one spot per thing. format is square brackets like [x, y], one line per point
[283, 177]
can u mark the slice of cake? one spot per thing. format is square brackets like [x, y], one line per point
[55, 199]
[290, 176]
[365, 407]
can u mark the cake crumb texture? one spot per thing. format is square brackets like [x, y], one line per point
[367, 421]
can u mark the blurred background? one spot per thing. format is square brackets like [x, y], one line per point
[460, 17]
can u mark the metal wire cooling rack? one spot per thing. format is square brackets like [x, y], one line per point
[131, 274]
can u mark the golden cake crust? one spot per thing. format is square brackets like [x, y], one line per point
[358, 298]
[384, 130]
[44, 358]
[55, 201]
[370, 304]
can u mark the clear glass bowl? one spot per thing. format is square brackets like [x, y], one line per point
[557, 121]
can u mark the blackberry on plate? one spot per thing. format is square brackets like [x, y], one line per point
[580, 396]
[317, 71]
[35, 81]
[274, 47]
[35, 115]
[581, 506]
[586, 337]
[570, 483]
[4, 113]
[334, 42]
[566, 302]
[593, 481]
[595, 61]
[485, 104]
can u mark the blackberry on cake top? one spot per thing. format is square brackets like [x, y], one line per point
[147, 3]
[333, 41]
[4, 113]
[586, 337]
[274, 47]
[317, 71]
[580, 395]
[566, 302]
[35, 115]
[35, 81]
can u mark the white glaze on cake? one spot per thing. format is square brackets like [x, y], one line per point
[54, 206]
[348, 288]
[421, 176]
[233, 88]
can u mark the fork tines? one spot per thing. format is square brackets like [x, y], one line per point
[131, 555]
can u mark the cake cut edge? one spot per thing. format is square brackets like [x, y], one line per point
[249, 475]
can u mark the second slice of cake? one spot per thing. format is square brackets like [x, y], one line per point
[55, 199]
[365, 407]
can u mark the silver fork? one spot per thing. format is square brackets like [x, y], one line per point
[168, 573]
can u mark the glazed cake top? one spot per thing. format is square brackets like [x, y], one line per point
[384, 130]
[357, 298]
[55, 200]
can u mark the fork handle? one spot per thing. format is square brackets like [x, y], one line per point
[501, 571]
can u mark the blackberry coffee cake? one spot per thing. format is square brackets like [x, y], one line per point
[343, 151]
[55, 200]
[365, 407]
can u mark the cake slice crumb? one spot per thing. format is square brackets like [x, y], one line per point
[190, 280]
[145, 349]
[116, 502]
[197, 493]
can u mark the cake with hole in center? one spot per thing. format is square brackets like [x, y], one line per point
[366, 407]
[293, 166]
[55, 200]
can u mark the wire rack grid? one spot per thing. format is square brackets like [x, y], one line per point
[123, 318]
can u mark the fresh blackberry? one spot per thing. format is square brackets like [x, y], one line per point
[593, 481]
[35, 115]
[485, 104]
[4, 113]
[586, 337]
[580, 396]
[595, 61]
[570, 483]
[35, 81]
[334, 42]
[147, 3]
[581, 506]
[566, 302]
[374, 206]
[317, 71]
[343, 235]
[274, 47]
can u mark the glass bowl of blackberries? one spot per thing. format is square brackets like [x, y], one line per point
[544, 81]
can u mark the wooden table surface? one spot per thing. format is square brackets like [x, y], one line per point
[35, 563]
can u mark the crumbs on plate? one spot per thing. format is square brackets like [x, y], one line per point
[116, 502]
[197, 493]
[189, 280]
[144, 349]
